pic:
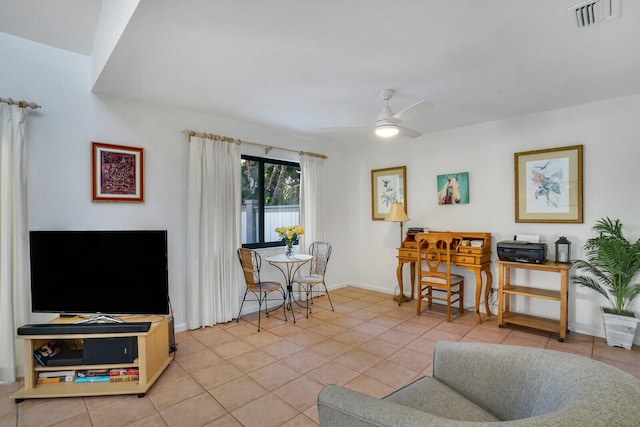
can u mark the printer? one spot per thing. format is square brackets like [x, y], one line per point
[522, 251]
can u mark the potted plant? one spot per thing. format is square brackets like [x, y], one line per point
[611, 268]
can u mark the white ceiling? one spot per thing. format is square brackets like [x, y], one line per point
[303, 65]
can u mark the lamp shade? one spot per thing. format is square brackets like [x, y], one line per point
[387, 130]
[397, 213]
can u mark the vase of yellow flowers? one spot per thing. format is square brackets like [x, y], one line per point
[289, 235]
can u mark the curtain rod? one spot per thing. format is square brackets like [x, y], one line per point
[267, 148]
[21, 104]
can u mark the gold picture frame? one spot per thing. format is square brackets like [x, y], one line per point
[117, 173]
[548, 185]
[387, 186]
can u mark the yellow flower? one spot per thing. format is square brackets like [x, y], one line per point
[289, 234]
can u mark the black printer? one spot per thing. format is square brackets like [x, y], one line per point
[520, 251]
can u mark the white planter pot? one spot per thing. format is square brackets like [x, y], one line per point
[620, 331]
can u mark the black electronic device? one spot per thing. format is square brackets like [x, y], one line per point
[67, 358]
[521, 251]
[84, 328]
[98, 351]
[99, 272]
[172, 335]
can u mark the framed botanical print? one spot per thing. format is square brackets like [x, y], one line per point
[387, 186]
[117, 173]
[548, 185]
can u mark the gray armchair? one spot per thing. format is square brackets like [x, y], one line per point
[477, 384]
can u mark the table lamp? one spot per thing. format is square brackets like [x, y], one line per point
[397, 214]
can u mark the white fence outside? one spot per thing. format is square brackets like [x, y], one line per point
[274, 216]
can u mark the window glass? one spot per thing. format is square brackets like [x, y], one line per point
[270, 199]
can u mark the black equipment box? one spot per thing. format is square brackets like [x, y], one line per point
[519, 251]
[98, 351]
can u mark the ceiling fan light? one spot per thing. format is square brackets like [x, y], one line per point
[387, 130]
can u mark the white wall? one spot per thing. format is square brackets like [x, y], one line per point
[364, 250]
[60, 136]
[609, 132]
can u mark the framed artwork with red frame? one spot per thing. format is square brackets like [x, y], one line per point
[117, 173]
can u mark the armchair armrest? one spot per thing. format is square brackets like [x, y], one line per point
[339, 406]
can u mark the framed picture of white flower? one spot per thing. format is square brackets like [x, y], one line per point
[387, 186]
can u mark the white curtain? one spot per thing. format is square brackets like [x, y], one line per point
[311, 199]
[214, 226]
[14, 236]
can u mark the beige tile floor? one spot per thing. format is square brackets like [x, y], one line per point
[231, 375]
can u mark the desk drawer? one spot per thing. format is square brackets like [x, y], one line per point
[465, 259]
[469, 259]
[407, 253]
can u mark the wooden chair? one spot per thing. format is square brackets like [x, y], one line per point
[251, 261]
[435, 273]
[321, 252]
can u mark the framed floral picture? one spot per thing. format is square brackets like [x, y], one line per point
[548, 185]
[387, 186]
[117, 173]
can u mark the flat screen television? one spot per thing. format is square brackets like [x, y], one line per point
[93, 272]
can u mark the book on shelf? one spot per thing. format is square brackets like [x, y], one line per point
[124, 371]
[416, 230]
[48, 374]
[97, 379]
[50, 380]
[123, 378]
[93, 373]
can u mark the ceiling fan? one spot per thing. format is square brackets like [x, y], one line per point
[388, 123]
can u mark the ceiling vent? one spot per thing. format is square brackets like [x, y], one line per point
[587, 14]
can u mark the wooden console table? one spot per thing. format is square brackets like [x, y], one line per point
[472, 258]
[506, 289]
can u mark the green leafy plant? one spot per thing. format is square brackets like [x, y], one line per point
[611, 266]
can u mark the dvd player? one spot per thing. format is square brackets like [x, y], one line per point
[84, 328]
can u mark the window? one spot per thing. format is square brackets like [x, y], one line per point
[270, 199]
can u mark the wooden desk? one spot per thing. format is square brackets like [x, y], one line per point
[506, 289]
[472, 258]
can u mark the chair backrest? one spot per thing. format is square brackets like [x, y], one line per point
[250, 261]
[437, 253]
[321, 252]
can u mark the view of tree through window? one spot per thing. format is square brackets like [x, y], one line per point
[270, 199]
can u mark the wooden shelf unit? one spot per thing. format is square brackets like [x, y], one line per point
[153, 359]
[506, 289]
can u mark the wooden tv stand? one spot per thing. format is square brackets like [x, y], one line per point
[153, 358]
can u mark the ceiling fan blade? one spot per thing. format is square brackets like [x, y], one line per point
[412, 111]
[409, 133]
[344, 127]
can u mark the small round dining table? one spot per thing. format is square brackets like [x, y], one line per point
[289, 266]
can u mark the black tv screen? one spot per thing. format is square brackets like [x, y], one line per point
[99, 272]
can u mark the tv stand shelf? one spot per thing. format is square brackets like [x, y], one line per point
[153, 359]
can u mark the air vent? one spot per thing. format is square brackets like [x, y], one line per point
[589, 13]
